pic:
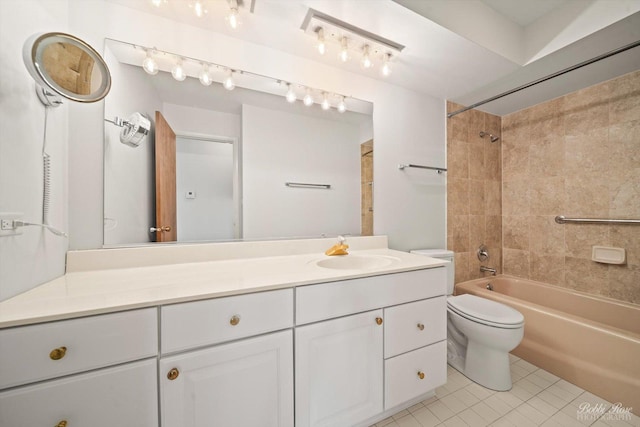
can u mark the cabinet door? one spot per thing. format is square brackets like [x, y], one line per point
[245, 383]
[339, 371]
[125, 396]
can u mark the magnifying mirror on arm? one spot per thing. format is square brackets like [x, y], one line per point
[64, 66]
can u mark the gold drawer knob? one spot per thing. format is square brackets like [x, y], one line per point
[62, 423]
[421, 375]
[420, 326]
[173, 374]
[234, 320]
[379, 320]
[57, 354]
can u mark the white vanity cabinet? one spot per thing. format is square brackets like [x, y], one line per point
[339, 370]
[59, 374]
[227, 376]
[351, 366]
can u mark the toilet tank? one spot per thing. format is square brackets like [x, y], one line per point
[444, 255]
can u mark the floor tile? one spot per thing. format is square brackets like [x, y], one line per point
[486, 412]
[440, 410]
[472, 418]
[455, 422]
[426, 418]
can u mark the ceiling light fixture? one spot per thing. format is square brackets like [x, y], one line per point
[178, 71]
[352, 41]
[342, 106]
[228, 80]
[233, 16]
[322, 46]
[149, 64]
[158, 3]
[386, 65]
[344, 50]
[291, 94]
[198, 8]
[325, 102]
[205, 75]
[308, 98]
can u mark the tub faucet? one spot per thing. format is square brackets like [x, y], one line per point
[488, 270]
[339, 248]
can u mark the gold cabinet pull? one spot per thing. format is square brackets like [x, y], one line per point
[173, 374]
[421, 375]
[166, 228]
[420, 326]
[57, 354]
[62, 423]
[234, 320]
[379, 320]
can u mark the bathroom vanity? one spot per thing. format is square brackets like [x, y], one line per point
[245, 338]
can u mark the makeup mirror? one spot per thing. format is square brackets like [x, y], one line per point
[64, 66]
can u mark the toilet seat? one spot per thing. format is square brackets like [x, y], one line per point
[485, 311]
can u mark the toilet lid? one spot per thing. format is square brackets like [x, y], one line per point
[485, 311]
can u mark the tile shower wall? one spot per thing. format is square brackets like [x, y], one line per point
[473, 191]
[578, 156]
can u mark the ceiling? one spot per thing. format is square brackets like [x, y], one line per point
[461, 50]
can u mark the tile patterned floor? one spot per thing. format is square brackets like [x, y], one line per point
[537, 398]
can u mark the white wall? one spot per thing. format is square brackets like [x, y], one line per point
[129, 180]
[204, 169]
[408, 127]
[300, 149]
[36, 255]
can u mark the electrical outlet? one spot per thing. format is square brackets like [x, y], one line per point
[6, 224]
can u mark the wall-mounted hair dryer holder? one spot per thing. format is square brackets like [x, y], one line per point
[134, 128]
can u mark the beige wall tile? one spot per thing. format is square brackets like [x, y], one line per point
[493, 229]
[586, 276]
[458, 159]
[623, 283]
[587, 153]
[515, 197]
[624, 146]
[546, 157]
[458, 196]
[515, 262]
[547, 269]
[493, 197]
[477, 231]
[515, 157]
[627, 237]
[546, 196]
[515, 229]
[625, 99]
[580, 238]
[460, 233]
[476, 160]
[476, 197]
[586, 196]
[493, 161]
[546, 237]
[624, 191]
[461, 260]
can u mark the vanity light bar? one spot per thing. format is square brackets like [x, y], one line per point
[149, 61]
[370, 48]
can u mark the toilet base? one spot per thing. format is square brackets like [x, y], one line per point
[488, 367]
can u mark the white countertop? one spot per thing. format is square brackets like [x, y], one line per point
[83, 293]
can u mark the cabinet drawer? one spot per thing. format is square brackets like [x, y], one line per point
[38, 352]
[207, 322]
[402, 377]
[121, 396]
[327, 300]
[413, 325]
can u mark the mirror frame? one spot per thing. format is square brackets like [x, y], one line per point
[32, 54]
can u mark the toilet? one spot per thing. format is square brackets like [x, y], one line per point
[480, 332]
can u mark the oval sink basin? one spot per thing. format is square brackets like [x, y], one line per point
[357, 262]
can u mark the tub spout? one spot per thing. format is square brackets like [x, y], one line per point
[488, 270]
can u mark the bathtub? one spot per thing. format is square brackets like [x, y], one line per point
[590, 341]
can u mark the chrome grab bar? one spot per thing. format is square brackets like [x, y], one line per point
[561, 219]
[306, 185]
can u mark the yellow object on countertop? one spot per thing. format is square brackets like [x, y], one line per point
[338, 249]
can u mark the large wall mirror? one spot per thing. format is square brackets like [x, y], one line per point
[228, 164]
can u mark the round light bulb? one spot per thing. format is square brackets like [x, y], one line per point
[199, 9]
[342, 106]
[325, 102]
[291, 94]
[233, 18]
[156, 3]
[366, 59]
[308, 99]
[150, 65]
[228, 81]
[386, 66]
[178, 71]
[205, 76]
[344, 50]
[322, 47]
